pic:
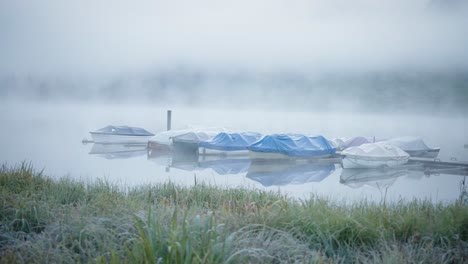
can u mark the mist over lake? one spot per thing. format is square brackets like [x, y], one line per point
[333, 68]
[50, 134]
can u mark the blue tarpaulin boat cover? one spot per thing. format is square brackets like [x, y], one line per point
[294, 145]
[231, 141]
[123, 130]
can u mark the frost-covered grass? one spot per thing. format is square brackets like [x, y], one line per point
[42, 220]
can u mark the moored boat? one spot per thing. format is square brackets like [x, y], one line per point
[373, 155]
[188, 142]
[121, 134]
[415, 147]
[226, 143]
[164, 140]
[291, 146]
[344, 143]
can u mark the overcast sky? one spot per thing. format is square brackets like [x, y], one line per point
[113, 36]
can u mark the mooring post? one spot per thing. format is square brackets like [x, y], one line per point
[169, 121]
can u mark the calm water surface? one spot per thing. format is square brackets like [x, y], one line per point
[50, 134]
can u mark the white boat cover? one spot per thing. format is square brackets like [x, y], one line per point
[123, 130]
[408, 143]
[165, 137]
[337, 142]
[196, 136]
[376, 151]
[356, 141]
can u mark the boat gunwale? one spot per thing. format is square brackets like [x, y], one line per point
[119, 134]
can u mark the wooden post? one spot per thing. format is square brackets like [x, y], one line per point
[169, 121]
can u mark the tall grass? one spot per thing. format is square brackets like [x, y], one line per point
[65, 221]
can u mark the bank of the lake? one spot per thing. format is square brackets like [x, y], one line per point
[63, 221]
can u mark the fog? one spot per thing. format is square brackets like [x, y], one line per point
[361, 54]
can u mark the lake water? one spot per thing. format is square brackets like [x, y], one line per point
[50, 134]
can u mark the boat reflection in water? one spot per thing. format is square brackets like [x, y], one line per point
[118, 151]
[223, 166]
[379, 177]
[192, 161]
[385, 176]
[291, 172]
[285, 173]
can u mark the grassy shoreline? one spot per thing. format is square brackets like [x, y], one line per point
[42, 220]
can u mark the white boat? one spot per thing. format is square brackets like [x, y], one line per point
[164, 139]
[344, 143]
[374, 155]
[188, 142]
[195, 137]
[121, 134]
[415, 147]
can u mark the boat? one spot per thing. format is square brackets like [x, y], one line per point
[344, 143]
[121, 134]
[188, 142]
[118, 151]
[226, 143]
[291, 146]
[288, 173]
[415, 147]
[373, 155]
[163, 140]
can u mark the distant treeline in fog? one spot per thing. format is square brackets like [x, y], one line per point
[386, 91]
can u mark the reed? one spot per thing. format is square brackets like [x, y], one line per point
[63, 221]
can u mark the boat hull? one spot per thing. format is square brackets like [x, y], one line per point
[159, 146]
[351, 162]
[224, 153]
[427, 154]
[108, 138]
[254, 155]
